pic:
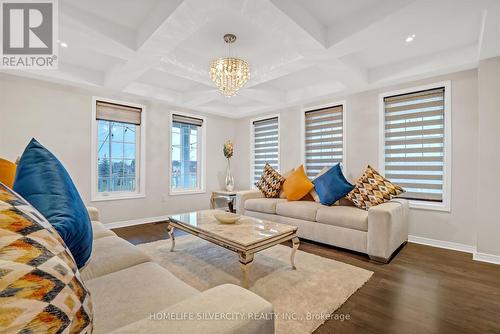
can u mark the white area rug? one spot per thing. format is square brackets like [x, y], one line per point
[318, 287]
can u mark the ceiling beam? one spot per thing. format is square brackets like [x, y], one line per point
[456, 59]
[155, 92]
[154, 20]
[300, 16]
[112, 31]
[165, 38]
[363, 19]
[489, 45]
[197, 98]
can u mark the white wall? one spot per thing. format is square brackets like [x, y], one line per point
[488, 218]
[362, 112]
[60, 118]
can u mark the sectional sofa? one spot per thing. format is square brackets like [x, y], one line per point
[377, 232]
[132, 294]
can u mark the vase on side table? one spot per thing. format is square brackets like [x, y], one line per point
[229, 181]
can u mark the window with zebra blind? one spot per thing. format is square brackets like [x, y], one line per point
[416, 127]
[324, 138]
[265, 145]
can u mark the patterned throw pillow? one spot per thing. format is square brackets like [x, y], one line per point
[270, 182]
[373, 189]
[40, 286]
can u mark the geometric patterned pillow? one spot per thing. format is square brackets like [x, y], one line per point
[372, 189]
[40, 286]
[270, 182]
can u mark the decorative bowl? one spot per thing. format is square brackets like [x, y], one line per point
[226, 217]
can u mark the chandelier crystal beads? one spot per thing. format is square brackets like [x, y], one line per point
[229, 74]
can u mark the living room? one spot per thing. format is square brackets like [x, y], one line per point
[268, 166]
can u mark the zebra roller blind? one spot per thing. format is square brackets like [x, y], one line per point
[265, 145]
[324, 144]
[414, 143]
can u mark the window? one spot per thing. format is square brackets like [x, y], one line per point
[186, 154]
[324, 138]
[265, 146]
[416, 148]
[116, 151]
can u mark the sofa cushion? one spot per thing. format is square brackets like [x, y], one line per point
[332, 185]
[131, 294]
[285, 175]
[373, 189]
[40, 286]
[270, 182]
[7, 172]
[100, 230]
[343, 216]
[305, 210]
[267, 205]
[111, 254]
[297, 185]
[44, 182]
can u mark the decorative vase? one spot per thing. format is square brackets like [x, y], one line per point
[229, 181]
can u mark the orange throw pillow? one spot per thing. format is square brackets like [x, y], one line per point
[297, 185]
[7, 172]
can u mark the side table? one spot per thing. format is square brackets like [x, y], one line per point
[229, 196]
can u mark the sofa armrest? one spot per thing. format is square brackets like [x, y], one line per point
[224, 309]
[242, 196]
[387, 228]
[93, 213]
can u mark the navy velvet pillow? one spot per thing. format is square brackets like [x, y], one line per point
[332, 185]
[43, 181]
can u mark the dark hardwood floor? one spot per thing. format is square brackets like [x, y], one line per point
[422, 290]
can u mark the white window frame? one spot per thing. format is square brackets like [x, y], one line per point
[303, 112]
[140, 190]
[445, 205]
[201, 156]
[252, 133]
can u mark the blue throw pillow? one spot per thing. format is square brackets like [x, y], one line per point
[332, 185]
[43, 181]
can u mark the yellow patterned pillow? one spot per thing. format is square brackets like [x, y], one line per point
[270, 182]
[40, 286]
[373, 189]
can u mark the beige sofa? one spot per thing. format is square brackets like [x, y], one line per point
[377, 232]
[132, 294]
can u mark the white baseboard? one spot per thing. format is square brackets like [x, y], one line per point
[483, 257]
[476, 256]
[140, 221]
[442, 244]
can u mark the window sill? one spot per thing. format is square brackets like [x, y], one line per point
[116, 197]
[187, 192]
[430, 206]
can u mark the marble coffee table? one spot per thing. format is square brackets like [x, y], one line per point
[246, 237]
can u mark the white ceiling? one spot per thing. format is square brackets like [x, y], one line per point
[299, 51]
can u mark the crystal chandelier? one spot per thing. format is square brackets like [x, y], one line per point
[229, 74]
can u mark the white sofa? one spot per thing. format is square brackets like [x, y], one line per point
[132, 294]
[377, 232]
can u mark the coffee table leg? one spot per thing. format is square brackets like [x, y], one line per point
[245, 265]
[295, 246]
[170, 231]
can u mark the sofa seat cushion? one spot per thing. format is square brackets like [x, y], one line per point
[131, 294]
[100, 230]
[111, 254]
[343, 216]
[266, 205]
[305, 210]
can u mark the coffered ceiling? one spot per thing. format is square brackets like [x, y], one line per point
[299, 51]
